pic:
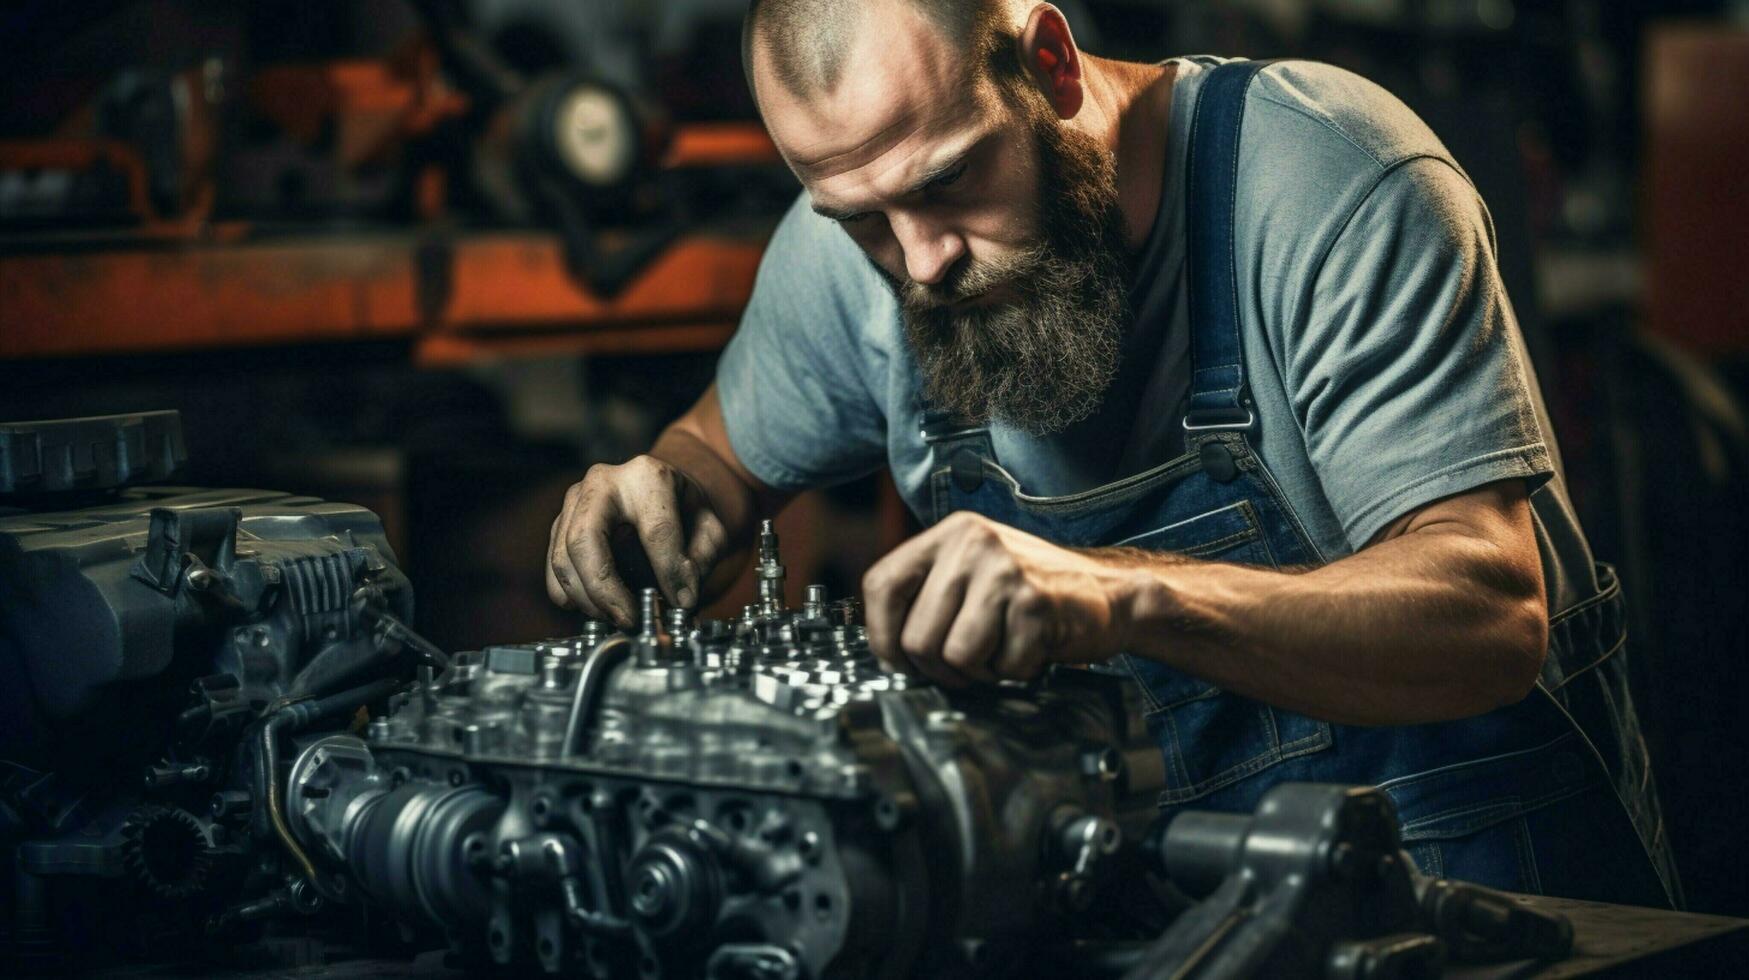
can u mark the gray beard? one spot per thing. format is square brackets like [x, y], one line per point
[1044, 360]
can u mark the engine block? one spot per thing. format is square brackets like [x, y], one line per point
[752, 798]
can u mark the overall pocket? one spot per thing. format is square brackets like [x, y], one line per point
[1211, 738]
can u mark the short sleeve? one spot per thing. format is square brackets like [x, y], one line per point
[1406, 368]
[795, 380]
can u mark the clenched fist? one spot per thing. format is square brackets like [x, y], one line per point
[623, 527]
[974, 600]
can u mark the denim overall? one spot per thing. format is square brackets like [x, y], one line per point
[1550, 795]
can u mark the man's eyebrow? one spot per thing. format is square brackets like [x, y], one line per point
[834, 214]
[918, 186]
[945, 167]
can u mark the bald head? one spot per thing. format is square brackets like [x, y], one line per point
[809, 41]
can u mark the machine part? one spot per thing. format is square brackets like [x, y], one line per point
[180, 635]
[1480, 925]
[590, 686]
[1316, 882]
[771, 574]
[595, 134]
[293, 717]
[167, 850]
[102, 453]
[748, 799]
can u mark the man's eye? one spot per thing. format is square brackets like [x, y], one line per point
[948, 179]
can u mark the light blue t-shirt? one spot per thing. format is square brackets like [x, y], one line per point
[1382, 353]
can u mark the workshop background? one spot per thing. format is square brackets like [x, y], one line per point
[437, 258]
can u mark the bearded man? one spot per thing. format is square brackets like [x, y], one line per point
[1201, 371]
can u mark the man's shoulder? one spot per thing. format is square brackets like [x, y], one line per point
[1318, 142]
[1294, 104]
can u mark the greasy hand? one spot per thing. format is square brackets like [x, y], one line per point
[974, 600]
[640, 523]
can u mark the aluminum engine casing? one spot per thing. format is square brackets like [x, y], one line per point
[756, 799]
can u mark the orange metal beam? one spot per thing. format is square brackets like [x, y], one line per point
[719, 144]
[194, 296]
[458, 294]
[518, 280]
[447, 349]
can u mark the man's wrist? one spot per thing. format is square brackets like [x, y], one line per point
[1140, 604]
[1134, 592]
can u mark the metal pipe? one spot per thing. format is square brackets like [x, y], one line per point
[591, 683]
[291, 717]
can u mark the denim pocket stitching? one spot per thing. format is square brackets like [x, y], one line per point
[1434, 867]
[1248, 460]
[1603, 595]
[1175, 757]
[1243, 508]
[1219, 545]
[1456, 768]
[1528, 875]
[1203, 695]
[1075, 504]
[1129, 662]
[1465, 819]
[938, 492]
[1484, 815]
[1581, 672]
[1316, 742]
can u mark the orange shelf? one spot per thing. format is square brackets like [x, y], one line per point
[455, 297]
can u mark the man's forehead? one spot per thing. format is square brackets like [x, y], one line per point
[904, 85]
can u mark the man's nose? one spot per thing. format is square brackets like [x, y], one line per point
[930, 251]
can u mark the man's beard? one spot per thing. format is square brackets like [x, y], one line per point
[1043, 360]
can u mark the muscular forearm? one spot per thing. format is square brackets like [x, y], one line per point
[1441, 616]
[1427, 626]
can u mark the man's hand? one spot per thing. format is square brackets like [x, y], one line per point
[974, 600]
[641, 520]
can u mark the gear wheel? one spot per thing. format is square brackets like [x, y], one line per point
[167, 850]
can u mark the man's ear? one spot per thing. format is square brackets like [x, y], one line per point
[1048, 51]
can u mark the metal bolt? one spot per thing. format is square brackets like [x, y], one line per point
[814, 607]
[1102, 763]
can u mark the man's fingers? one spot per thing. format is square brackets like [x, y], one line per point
[560, 575]
[706, 544]
[932, 612]
[654, 508]
[887, 591]
[1025, 634]
[930, 617]
[564, 585]
[975, 638]
[591, 555]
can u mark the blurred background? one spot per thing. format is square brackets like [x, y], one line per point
[439, 257]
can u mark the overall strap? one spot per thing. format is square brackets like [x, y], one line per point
[1219, 400]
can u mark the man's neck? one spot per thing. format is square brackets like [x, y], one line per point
[1132, 103]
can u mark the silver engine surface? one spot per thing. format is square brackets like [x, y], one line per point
[755, 798]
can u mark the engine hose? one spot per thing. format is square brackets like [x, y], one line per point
[607, 655]
[292, 717]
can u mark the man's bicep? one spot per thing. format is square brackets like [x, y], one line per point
[1485, 541]
[1498, 511]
